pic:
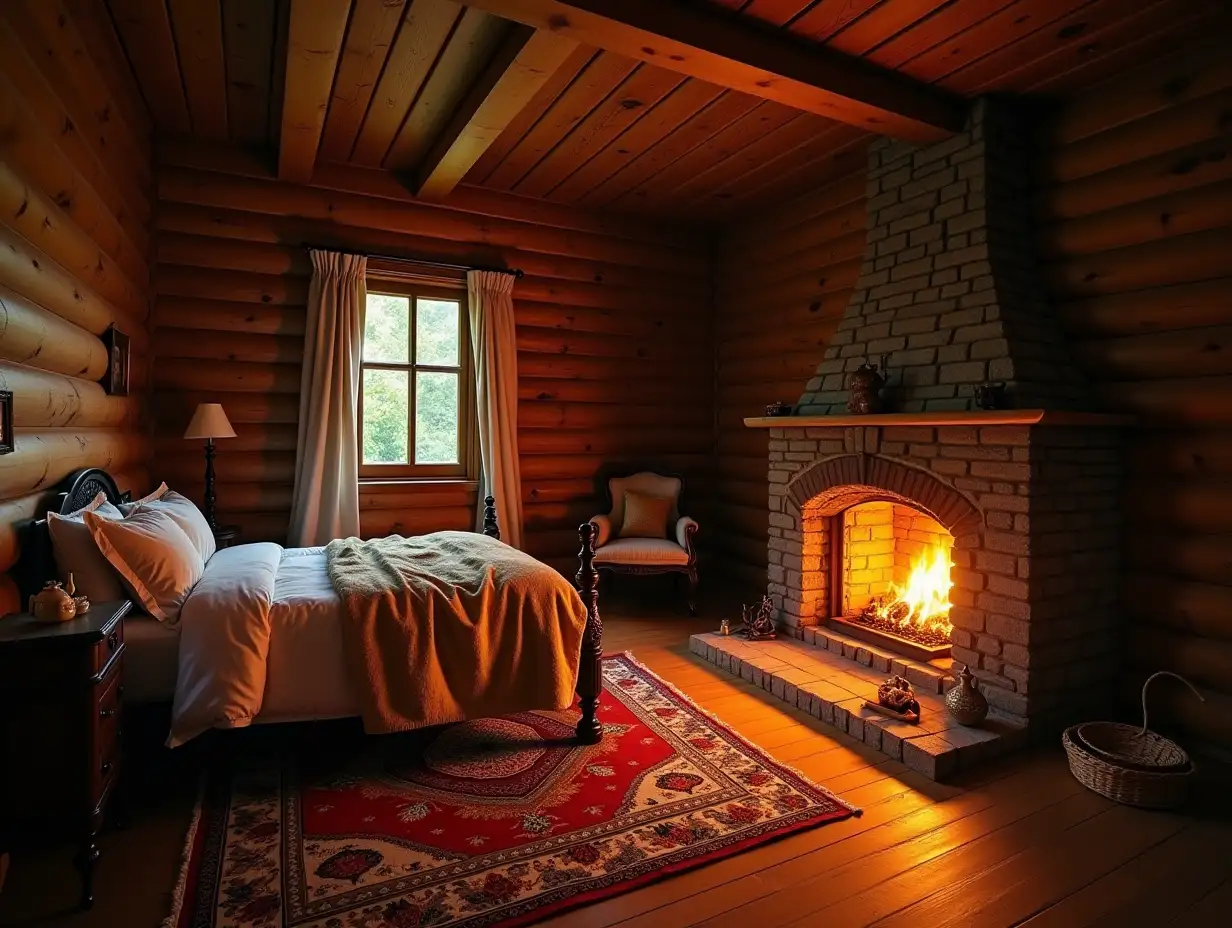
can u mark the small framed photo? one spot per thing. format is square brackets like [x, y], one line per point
[6, 422]
[115, 381]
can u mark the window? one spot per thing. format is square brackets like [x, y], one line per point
[416, 391]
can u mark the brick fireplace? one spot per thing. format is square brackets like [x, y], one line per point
[1032, 507]
[1023, 500]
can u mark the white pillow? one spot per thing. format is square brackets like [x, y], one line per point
[159, 493]
[156, 559]
[188, 517]
[77, 553]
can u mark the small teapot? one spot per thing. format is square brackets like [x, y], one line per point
[864, 390]
[53, 604]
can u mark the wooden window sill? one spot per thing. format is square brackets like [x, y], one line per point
[463, 483]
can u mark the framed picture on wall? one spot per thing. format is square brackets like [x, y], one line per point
[115, 381]
[6, 421]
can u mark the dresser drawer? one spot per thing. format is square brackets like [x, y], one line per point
[107, 713]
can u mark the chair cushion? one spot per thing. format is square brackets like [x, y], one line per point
[648, 484]
[642, 551]
[645, 516]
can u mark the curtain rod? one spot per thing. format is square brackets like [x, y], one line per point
[517, 272]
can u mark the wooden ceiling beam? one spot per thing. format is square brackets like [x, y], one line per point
[719, 48]
[314, 42]
[526, 61]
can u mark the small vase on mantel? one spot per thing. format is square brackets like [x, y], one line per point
[965, 701]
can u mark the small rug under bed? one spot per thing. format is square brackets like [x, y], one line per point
[501, 821]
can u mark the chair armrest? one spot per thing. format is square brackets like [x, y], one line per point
[605, 530]
[686, 528]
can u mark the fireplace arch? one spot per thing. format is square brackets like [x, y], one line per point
[802, 555]
[832, 485]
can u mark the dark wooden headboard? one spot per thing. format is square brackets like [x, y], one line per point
[37, 563]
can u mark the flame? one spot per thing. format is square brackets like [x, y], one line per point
[924, 602]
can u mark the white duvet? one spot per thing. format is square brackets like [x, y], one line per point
[260, 641]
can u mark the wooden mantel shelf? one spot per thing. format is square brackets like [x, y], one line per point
[965, 417]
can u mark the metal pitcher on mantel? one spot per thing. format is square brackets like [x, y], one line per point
[864, 390]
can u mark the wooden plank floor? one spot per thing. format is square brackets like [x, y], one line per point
[1021, 843]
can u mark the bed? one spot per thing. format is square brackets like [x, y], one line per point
[306, 675]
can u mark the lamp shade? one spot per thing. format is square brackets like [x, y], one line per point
[209, 421]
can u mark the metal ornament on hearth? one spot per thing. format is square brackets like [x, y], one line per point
[759, 621]
[897, 700]
[864, 390]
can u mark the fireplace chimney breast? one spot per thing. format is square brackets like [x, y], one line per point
[949, 291]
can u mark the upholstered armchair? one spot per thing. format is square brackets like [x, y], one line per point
[643, 531]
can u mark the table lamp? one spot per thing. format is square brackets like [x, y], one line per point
[209, 422]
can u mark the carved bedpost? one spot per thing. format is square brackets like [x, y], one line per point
[590, 671]
[490, 528]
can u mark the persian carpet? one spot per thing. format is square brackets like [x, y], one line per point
[500, 821]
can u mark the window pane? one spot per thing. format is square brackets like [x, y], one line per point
[436, 332]
[387, 404]
[436, 418]
[387, 329]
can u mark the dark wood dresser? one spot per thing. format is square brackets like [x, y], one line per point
[61, 685]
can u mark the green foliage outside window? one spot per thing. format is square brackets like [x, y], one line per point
[387, 395]
[386, 407]
[436, 418]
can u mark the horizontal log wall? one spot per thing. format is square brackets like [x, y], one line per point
[75, 203]
[1136, 234]
[783, 281]
[613, 323]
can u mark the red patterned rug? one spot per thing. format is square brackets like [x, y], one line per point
[502, 821]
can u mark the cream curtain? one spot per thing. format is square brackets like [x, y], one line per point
[496, 390]
[325, 504]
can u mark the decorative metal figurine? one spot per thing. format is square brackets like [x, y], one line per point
[759, 621]
[864, 390]
[896, 699]
[724, 627]
[990, 395]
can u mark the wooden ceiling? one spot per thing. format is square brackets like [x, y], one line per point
[437, 91]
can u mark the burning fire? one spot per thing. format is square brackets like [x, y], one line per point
[923, 603]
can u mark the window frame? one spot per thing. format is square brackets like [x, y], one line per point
[397, 281]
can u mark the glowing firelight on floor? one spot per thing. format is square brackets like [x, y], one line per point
[924, 601]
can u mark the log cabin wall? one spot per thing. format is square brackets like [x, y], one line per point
[613, 334]
[783, 280]
[75, 203]
[1135, 229]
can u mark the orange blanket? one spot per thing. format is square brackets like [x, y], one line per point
[453, 625]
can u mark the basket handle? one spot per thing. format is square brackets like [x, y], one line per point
[1163, 673]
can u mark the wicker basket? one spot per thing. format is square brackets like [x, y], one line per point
[1134, 766]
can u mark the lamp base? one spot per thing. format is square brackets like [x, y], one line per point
[210, 516]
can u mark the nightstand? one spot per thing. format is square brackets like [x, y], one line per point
[61, 685]
[226, 535]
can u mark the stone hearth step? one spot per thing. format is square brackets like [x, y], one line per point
[833, 688]
[926, 677]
